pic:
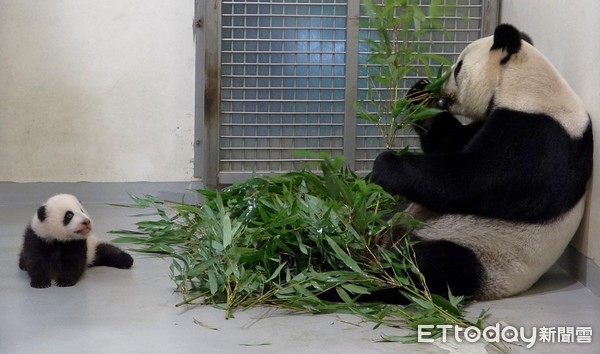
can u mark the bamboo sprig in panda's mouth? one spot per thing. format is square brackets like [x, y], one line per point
[429, 99]
[428, 93]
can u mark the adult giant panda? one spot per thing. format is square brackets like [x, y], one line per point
[58, 244]
[503, 195]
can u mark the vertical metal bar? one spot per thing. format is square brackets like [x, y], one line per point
[199, 19]
[490, 16]
[208, 91]
[351, 89]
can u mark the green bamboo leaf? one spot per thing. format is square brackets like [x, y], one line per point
[356, 289]
[212, 282]
[344, 295]
[302, 290]
[276, 272]
[423, 303]
[429, 320]
[445, 304]
[188, 208]
[343, 256]
[230, 231]
[136, 239]
[408, 339]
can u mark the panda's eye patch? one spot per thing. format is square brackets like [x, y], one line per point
[68, 217]
[457, 69]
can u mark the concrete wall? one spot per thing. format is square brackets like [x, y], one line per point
[567, 33]
[96, 90]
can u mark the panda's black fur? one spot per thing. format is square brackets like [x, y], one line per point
[58, 245]
[505, 193]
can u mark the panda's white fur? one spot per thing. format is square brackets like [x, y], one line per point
[505, 194]
[529, 71]
[513, 254]
[59, 244]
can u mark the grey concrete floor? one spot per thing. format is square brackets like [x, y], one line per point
[133, 311]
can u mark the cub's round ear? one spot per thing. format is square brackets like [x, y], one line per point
[508, 39]
[41, 213]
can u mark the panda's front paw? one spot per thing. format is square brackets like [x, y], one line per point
[383, 170]
[418, 93]
[423, 126]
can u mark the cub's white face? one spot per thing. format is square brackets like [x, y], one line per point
[62, 218]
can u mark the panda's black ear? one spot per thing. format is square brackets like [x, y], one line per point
[508, 39]
[526, 38]
[41, 213]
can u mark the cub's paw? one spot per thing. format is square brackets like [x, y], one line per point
[65, 282]
[40, 284]
[22, 264]
[125, 261]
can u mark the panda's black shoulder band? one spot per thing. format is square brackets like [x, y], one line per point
[508, 39]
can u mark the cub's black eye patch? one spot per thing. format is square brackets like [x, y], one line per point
[41, 213]
[68, 217]
[457, 69]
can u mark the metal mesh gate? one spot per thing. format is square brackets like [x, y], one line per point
[290, 74]
[461, 26]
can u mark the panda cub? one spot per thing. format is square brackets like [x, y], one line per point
[503, 195]
[58, 244]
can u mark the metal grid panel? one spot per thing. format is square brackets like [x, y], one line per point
[461, 26]
[282, 83]
[283, 79]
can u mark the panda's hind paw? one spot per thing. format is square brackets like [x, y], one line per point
[125, 261]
